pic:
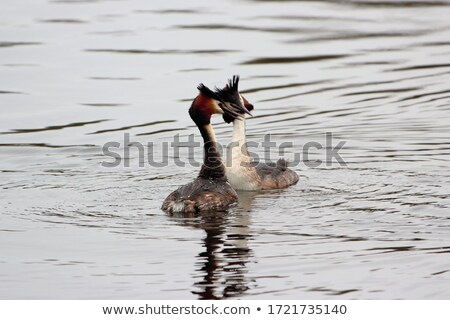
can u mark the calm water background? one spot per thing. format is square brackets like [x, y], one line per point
[77, 74]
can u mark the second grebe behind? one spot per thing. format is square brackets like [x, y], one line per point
[243, 174]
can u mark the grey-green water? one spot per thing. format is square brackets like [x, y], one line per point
[77, 74]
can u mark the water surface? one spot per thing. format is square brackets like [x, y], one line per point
[75, 75]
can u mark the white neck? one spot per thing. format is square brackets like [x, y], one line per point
[239, 174]
[239, 134]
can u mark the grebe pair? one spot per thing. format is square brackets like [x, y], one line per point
[212, 190]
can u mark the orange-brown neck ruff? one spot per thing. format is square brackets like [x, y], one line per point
[202, 109]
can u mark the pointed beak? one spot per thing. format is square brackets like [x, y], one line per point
[231, 101]
[234, 109]
[229, 110]
[243, 109]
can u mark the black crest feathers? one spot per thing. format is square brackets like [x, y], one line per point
[234, 83]
[208, 92]
[230, 93]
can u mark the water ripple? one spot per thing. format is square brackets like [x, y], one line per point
[9, 44]
[371, 74]
[282, 60]
[58, 127]
[168, 51]
[133, 126]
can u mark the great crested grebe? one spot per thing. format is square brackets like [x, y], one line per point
[210, 190]
[243, 174]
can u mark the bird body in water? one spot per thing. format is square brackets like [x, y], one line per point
[210, 191]
[243, 173]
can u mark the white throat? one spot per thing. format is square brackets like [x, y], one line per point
[240, 175]
[239, 135]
